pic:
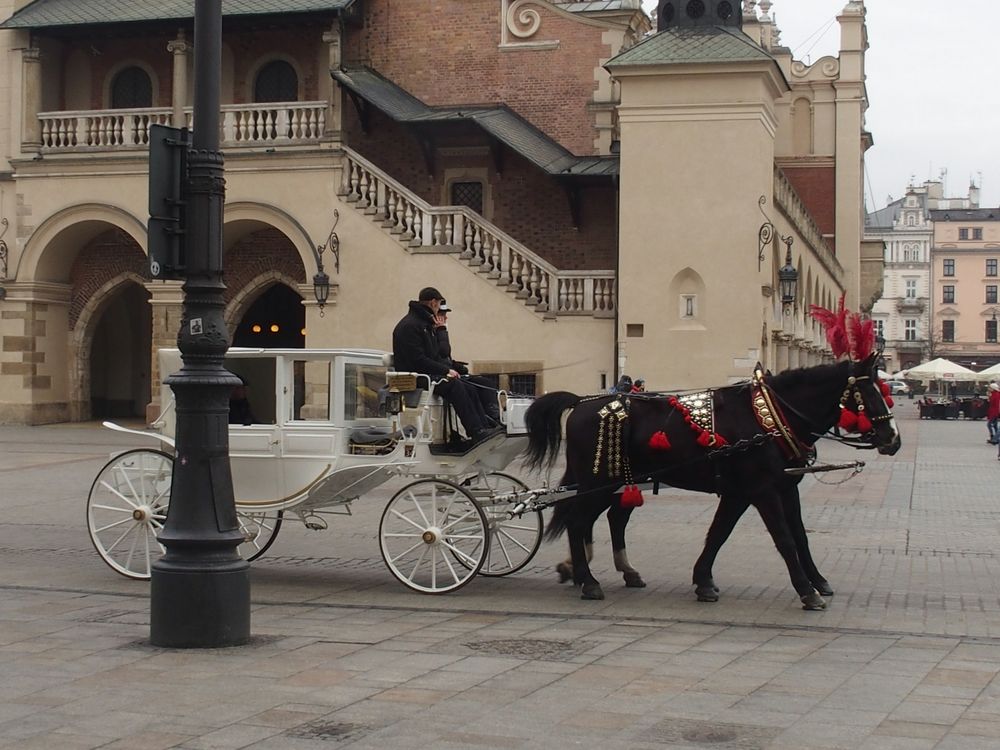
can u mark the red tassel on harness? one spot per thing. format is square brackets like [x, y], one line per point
[889, 402]
[884, 387]
[632, 497]
[705, 439]
[864, 424]
[848, 420]
[659, 441]
[719, 441]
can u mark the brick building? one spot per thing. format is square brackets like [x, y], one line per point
[554, 167]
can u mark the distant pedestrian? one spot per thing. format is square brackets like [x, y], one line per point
[993, 415]
[624, 385]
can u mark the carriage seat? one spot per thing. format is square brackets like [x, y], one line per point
[411, 385]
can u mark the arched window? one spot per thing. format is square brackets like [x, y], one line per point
[131, 89]
[276, 82]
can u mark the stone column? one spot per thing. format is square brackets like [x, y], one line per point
[180, 48]
[333, 110]
[31, 99]
[166, 299]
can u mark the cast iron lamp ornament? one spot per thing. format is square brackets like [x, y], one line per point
[788, 278]
[200, 588]
[321, 282]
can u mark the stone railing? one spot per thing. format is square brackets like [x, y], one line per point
[487, 249]
[275, 123]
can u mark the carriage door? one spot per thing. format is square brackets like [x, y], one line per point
[254, 429]
[309, 437]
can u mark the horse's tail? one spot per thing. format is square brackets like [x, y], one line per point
[544, 422]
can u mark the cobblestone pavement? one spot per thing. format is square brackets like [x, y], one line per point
[907, 655]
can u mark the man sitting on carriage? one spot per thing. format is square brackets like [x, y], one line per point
[415, 349]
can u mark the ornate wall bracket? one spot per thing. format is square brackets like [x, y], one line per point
[767, 233]
[4, 251]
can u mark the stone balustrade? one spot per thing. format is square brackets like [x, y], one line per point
[488, 250]
[274, 123]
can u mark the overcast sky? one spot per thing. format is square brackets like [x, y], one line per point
[933, 94]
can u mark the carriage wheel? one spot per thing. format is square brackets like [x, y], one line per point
[126, 509]
[513, 541]
[260, 529]
[425, 527]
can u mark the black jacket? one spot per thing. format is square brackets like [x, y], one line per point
[444, 351]
[415, 346]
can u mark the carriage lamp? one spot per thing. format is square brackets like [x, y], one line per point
[788, 279]
[321, 282]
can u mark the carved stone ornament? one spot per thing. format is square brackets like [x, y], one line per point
[520, 22]
[825, 67]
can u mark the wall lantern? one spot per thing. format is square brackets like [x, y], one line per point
[321, 282]
[788, 278]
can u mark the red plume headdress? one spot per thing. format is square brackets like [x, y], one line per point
[847, 332]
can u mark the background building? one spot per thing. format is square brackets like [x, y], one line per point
[964, 261]
[588, 195]
[903, 313]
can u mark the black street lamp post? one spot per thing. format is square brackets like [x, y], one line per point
[200, 589]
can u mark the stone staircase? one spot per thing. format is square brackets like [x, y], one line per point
[494, 256]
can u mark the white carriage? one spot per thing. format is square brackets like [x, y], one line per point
[329, 426]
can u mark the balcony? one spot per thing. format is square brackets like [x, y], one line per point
[911, 305]
[271, 124]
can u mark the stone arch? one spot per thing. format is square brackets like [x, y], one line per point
[82, 338]
[51, 249]
[260, 63]
[245, 217]
[132, 62]
[248, 294]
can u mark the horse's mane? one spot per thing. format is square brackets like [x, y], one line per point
[807, 375]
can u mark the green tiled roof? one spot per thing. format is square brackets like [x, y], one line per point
[503, 124]
[47, 13]
[700, 44]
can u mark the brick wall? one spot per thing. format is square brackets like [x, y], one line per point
[817, 187]
[445, 52]
[263, 251]
[107, 256]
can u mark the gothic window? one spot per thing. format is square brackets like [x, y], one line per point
[469, 194]
[276, 82]
[131, 89]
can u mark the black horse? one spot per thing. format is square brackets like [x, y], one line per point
[738, 450]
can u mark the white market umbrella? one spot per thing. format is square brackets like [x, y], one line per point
[990, 373]
[941, 369]
[883, 375]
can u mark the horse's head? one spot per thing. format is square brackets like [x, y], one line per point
[867, 407]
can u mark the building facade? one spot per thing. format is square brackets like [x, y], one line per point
[547, 165]
[902, 314]
[964, 260]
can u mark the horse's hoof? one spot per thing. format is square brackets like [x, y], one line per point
[591, 591]
[823, 587]
[813, 602]
[565, 572]
[633, 581]
[707, 594]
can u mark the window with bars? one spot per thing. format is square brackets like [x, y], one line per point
[947, 330]
[948, 293]
[131, 89]
[963, 233]
[276, 82]
[523, 384]
[469, 194]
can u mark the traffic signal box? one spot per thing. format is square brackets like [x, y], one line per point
[168, 148]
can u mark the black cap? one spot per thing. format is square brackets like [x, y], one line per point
[428, 293]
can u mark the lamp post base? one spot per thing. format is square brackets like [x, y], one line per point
[200, 607]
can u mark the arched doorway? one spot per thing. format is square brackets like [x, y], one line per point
[119, 356]
[276, 320]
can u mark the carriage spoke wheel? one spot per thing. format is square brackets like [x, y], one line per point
[513, 541]
[126, 509]
[425, 528]
[259, 529]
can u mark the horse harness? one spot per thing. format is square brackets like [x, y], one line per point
[772, 420]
